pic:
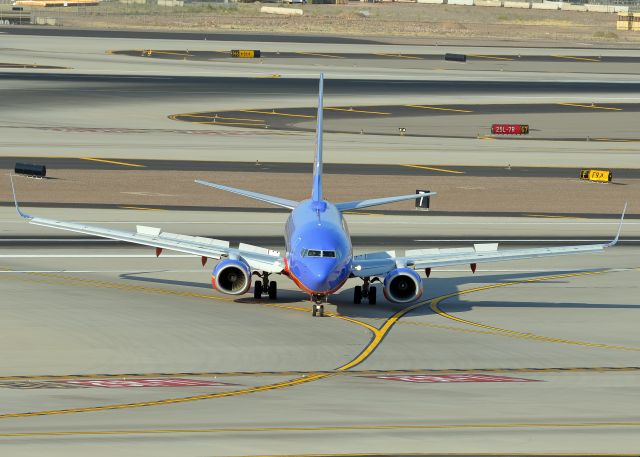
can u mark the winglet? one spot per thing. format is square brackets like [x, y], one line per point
[15, 200]
[316, 193]
[615, 240]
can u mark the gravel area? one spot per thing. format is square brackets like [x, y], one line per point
[455, 193]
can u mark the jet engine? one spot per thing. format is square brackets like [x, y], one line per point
[231, 277]
[402, 285]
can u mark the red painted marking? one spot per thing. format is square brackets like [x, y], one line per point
[420, 378]
[204, 260]
[158, 252]
[162, 382]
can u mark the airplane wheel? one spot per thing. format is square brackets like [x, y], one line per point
[273, 290]
[257, 290]
[357, 295]
[314, 310]
[372, 295]
[321, 313]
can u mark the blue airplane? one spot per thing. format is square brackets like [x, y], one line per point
[319, 256]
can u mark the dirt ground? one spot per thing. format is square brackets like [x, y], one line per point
[361, 19]
[455, 193]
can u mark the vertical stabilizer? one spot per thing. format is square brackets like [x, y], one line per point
[316, 193]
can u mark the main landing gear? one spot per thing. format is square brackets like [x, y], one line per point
[265, 287]
[366, 291]
[318, 306]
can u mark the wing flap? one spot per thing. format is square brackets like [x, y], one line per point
[419, 262]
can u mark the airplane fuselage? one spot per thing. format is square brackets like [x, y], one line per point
[318, 248]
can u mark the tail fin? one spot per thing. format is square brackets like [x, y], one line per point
[316, 193]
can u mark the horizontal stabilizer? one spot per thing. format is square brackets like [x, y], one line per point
[277, 201]
[357, 204]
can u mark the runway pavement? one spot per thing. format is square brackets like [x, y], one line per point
[107, 349]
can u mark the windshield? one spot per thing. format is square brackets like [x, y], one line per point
[317, 253]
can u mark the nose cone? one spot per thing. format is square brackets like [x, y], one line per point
[317, 275]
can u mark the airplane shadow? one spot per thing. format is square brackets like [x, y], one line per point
[284, 296]
[433, 287]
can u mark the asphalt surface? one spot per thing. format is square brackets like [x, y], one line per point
[164, 35]
[416, 120]
[145, 86]
[181, 54]
[106, 163]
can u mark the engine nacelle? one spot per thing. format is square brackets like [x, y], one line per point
[231, 277]
[402, 285]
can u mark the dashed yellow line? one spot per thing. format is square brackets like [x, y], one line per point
[114, 162]
[401, 56]
[200, 116]
[433, 169]
[490, 57]
[580, 105]
[141, 208]
[330, 428]
[275, 113]
[553, 216]
[252, 124]
[351, 110]
[440, 108]
[589, 59]
[320, 55]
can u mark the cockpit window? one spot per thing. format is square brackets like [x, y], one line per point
[317, 253]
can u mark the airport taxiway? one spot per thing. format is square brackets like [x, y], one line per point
[560, 337]
[548, 348]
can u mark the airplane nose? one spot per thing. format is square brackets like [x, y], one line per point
[317, 278]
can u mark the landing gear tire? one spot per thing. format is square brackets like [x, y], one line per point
[317, 310]
[357, 295]
[257, 290]
[273, 290]
[372, 296]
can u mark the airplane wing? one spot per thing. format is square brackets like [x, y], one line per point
[258, 258]
[380, 263]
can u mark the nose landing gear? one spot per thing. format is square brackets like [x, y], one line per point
[366, 291]
[318, 306]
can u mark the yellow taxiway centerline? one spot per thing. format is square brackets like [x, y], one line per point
[490, 57]
[114, 162]
[588, 59]
[432, 168]
[580, 105]
[439, 108]
[401, 56]
[319, 55]
[275, 113]
[351, 110]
